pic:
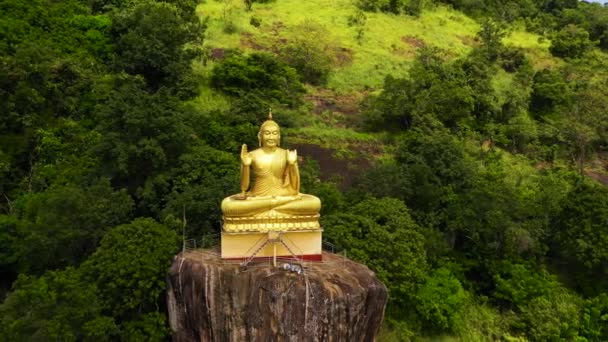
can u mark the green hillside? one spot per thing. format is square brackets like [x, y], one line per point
[364, 47]
[459, 148]
[387, 45]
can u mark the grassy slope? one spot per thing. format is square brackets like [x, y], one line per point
[387, 46]
[384, 48]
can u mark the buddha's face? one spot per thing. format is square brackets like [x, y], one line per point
[270, 136]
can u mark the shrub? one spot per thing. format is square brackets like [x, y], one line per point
[257, 73]
[441, 299]
[255, 21]
[570, 42]
[411, 7]
[545, 310]
[311, 52]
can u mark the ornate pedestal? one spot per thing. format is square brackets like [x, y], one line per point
[270, 222]
[295, 244]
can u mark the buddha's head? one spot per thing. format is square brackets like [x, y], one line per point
[269, 134]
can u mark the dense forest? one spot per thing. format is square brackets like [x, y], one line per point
[473, 154]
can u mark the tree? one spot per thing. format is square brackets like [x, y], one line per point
[203, 177]
[63, 156]
[151, 38]
[491, 35]
[255, 74]
[310, 52]
[550, 91]
[597, 25]
[129, 269]
[571, 41]
[58, 306]
[142, 133]
[545, 309]
[386, 179]
[381, 234]
[440, 300]
[62, 226]
[579, 233]
[503, 214]
[9, 226]
[435, 93]
[411, 7]
[583, 124]
[52, 55]
[522, 131]
[438, 167]
[595, 317]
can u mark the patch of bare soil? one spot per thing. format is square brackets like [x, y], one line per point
[330, 166]
[468, 40]
[217, 54]
[343, 57]
[249, 41]
[325, 100]
[413, 41]
[277, 26]
[600, 177]
[543, 165]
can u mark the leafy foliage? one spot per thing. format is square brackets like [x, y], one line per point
[471, 210]
[60, 305]
[150, 38]
[258, 74]
[204, 175]
[441, 300]
[311, 52]
[595, 317]
[129, 266]
[411, 7]
[142, 133]
[571, 42]
[579, 229]
[380, 233]
[546, 311]
[58, 227]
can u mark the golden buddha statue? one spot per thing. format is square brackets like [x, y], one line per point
[274, 202]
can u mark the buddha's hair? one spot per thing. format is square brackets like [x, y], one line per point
[267, 123]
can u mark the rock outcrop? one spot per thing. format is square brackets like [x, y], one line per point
[213, 300]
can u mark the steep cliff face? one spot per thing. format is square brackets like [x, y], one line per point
[211, 300]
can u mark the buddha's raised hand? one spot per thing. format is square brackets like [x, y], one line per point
[292, 157]
[245, 157]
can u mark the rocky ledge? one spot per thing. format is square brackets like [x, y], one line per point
[213, 300]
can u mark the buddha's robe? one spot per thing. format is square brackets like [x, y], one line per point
[273, 190]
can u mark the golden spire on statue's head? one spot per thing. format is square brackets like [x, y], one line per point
[268, 121]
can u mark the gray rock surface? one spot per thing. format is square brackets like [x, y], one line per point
[213, 300]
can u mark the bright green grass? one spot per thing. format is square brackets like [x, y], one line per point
[211, 100]
[502, 82]
[534, 46]
[219, 14]
[208, 98]
[385, 49]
